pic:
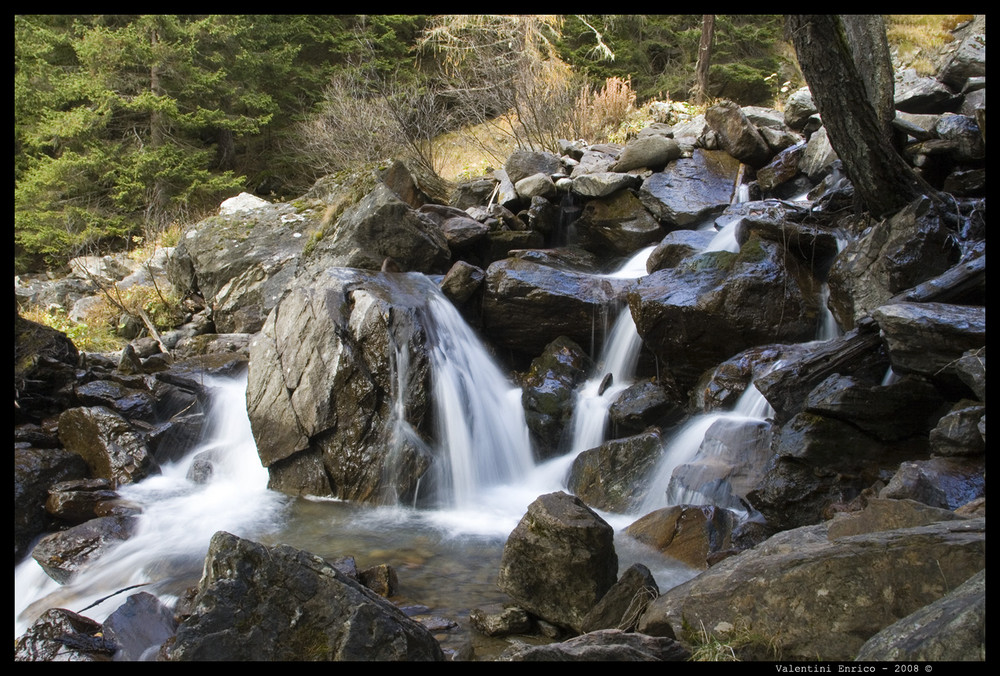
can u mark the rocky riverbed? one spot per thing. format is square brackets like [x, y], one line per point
[382, 323]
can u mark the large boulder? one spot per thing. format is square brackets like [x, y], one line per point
[804, 592]
[951, 629]
[689, 190]
[738, 136]
[280, 603]
[559, 561]
[528, 304]
[383, 226]
[35, 471]
[241, 260]
[321, 386]
[616, 226]
[64, 553]
[897, 253]
[716, 304]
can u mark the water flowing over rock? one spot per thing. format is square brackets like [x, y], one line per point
[281, 603]
[559, 561]
[716, 304]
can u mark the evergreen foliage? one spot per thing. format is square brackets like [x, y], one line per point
[124, 124]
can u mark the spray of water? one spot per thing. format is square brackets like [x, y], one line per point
[179, 517]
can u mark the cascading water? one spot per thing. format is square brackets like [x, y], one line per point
[179, 517]
[482, 434]
[618, 361]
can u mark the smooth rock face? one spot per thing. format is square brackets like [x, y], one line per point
[559, 561]
[281, 603]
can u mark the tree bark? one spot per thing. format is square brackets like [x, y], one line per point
[700, 93]
[882, 179]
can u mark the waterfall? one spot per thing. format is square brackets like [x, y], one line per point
[179, 516]
[618, 361]
[482, 437]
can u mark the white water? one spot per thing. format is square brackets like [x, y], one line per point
[618, 360]
[178, 519]
[482, 433]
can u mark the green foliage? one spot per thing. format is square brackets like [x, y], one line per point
[659, 52]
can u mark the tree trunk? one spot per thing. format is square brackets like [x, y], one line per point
[870, 51]
[700, 92]
[882, 179]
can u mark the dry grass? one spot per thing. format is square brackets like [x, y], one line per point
[917, 38]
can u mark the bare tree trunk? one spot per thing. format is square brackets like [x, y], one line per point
[700, 92]
[882, 179]
[870, 50]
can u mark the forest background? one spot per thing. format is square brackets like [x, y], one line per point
[127, 127]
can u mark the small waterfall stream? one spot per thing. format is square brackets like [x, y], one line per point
[487, 480]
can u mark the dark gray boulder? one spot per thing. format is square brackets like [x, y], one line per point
[559, 561]
[280, 603]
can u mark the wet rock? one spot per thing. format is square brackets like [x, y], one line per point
[462, 281]
[549, 391]
[77, 501]
[500, 620]
[642, 405]
[928, 339]
[906, 407]
[691, 189]
[109, 445]
[625, 602]
[61, 635]
[738, 136]
[618, 225]
[327, 430]
[527, 305]
[899, 252]
[612, 477]
[64, 553]
[958, 433]
[45, 363]
[718, 303]
[686, 533]
[35, 471]
[677, 246]
[820, 462]
[281, 603]
[559, 561]
[381, 579]
[947, 483]
[836, 609]
[732, 459]
[139, 628]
